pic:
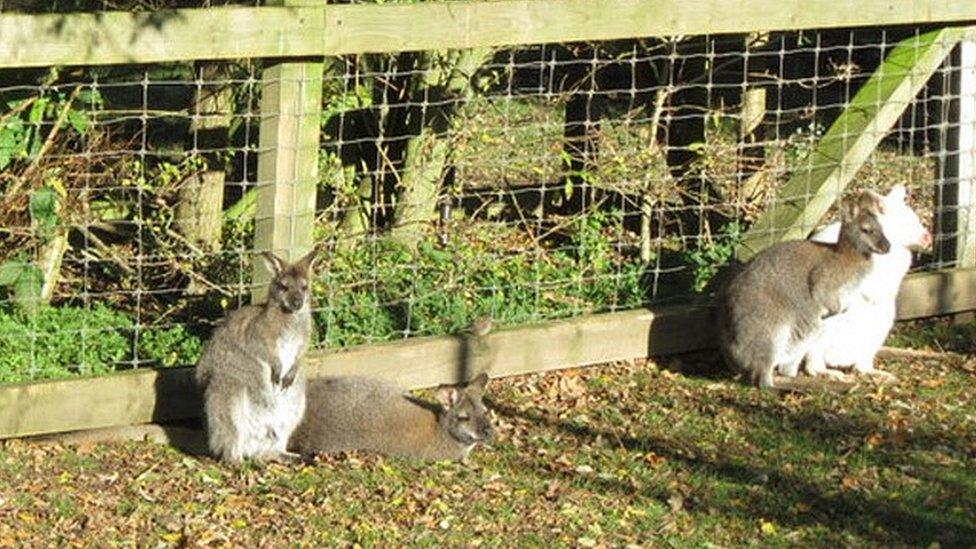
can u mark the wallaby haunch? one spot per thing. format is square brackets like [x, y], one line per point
[853, 337]
[357, 413]
[249, 371]
[771, 311]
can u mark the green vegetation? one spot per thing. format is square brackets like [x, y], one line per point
[385, 290]
[454, 184]
[602, 457]
[55, 342]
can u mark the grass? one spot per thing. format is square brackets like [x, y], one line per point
[646, 453]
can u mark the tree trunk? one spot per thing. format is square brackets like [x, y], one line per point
[201, 197]
[447, 77]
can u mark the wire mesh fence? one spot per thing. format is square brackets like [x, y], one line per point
[528, 184]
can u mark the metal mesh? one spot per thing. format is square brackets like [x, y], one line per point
[527, 184]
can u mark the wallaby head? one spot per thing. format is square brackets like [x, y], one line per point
[464, 415]
[289, 289]
[860, 218]
[901, 224]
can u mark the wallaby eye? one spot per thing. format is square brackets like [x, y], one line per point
[463, 417]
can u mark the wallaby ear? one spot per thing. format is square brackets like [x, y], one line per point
[448, 396]
[848, 208]
[898, 193]
[306, 262]
[871, 201]
[274, 263]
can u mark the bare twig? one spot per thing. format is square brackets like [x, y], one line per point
[15, 188]
[106, 252]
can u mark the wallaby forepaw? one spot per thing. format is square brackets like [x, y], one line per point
[289, 377]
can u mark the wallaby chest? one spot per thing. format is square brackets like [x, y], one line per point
[287, 347]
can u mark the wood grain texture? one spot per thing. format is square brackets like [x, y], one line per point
[291, 113]
[165, 35]
[300, 30]
[937, 293]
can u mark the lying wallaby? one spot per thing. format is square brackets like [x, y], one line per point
[853, 337]
[254, 392]
[773, 308]
[357, 413]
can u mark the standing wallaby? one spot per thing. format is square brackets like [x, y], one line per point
[853, 337]
[357, 413]
[254, 392]
[773, 308]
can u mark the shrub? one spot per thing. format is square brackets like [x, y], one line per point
[384, 290]
[56, 342]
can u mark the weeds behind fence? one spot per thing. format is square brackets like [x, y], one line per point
[526, 183]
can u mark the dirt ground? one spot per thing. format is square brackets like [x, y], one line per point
[642, 453]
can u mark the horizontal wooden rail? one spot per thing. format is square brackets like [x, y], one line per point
[144, 396]
[261, 32]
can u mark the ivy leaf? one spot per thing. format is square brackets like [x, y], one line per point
[78, 120]
[25, 281]
[44, 208]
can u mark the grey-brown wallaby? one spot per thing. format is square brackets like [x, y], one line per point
[357, 413]
[771, 311]
[249, 371]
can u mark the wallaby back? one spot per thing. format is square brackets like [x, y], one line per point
[357, 413]
[249, 371]
[773, 307]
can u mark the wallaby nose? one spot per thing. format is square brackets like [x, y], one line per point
[296, 302]
[883, 245]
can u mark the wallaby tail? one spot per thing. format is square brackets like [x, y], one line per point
[807, 384]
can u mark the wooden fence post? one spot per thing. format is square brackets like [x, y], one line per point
[956, 208]
[291, 112]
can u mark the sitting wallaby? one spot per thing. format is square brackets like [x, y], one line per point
[249, 371]
[853, 337]
[773, 308]
[357, 413]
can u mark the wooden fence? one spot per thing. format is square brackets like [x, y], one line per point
[298, 34]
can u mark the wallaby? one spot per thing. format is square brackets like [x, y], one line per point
[357, 413]
[249, 371]
[773, 308]
[853, 337]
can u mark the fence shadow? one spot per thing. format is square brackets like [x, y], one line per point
[774, 492]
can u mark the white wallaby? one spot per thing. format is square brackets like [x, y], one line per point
[853, 337]
[771, 311]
